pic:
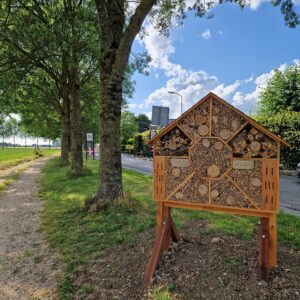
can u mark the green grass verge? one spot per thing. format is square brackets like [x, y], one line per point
[81, 237]
[6, 182]
[10, 157]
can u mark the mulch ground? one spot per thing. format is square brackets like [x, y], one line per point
[204, 264]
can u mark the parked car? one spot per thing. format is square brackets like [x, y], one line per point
[298, 170]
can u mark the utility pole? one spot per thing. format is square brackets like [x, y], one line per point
[181, 99]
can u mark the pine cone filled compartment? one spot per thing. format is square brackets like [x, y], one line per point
[252, 143]
[177, 170]
[174, 143]
[224, 121]
[194, 190]
[196, 123]
[210, 158]
[250, 181]
[224, 193]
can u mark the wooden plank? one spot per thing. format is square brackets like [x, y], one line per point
[209, 191]
[166, 216]
[277, 193]
[270, 184]
[215, 208]
[210, 116]
[272, 240]
[159, 214]
[159, 178]
[264, 249]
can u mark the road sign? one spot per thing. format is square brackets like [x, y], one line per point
[89, 145]
[90, 137]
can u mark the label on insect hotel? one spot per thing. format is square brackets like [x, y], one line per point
[180, 162]
[243, 164]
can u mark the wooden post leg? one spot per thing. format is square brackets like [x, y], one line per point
[167, 215]
[157, 249]
[165, 230]
[272, 241]
[174, 232]
[264, 249]
[159, 215]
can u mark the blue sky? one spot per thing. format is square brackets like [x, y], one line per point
[232, 54]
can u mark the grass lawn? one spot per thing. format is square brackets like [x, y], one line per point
[96, 248]
[11, 157]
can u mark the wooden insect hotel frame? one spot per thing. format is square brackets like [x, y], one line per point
[215, 158]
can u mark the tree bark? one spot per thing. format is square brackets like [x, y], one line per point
[110, 167]
[76, 131]
[75, 116]
[65, 132]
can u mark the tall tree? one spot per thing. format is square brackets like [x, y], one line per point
[129, 126]
[143, 122]
[4, 128]
[282, 92]
[279, 109]
[13, 128]
[118, 28]
[60, 39]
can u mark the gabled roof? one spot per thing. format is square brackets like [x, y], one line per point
[215, 97]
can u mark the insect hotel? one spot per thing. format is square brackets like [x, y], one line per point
[215, 158]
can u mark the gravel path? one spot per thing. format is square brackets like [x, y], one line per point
[28, 268]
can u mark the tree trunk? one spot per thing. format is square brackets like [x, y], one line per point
[75, 116]
[65, 132]
[115, 47]
[76, 132]
[14, 142]
[110, 167]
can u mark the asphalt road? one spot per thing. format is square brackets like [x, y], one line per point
[289, 185]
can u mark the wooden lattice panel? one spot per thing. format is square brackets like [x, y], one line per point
[177, 169]
[225, 193]
[174, 143]
[270, 184]
[159, 178]
[225, 122]
[250, 181]
[197, 123]
[205, 157]
[192, 190]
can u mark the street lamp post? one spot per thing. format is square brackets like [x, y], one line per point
[181, 99]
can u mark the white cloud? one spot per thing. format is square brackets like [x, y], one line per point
[220, 32]
[223, 91]
[261, 82]
[206, 34]
[192, 85]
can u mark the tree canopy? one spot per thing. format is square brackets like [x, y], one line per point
[279, 109]
[282, 92]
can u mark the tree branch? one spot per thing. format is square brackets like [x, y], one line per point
[132, 29]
